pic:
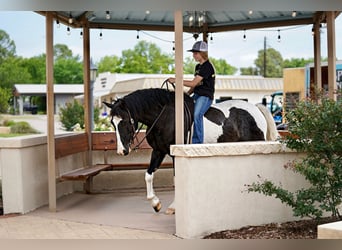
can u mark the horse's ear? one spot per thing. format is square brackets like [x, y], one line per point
[109, 105]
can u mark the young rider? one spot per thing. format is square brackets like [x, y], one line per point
[202, 86]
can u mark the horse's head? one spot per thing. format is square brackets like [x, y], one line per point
[123, 124]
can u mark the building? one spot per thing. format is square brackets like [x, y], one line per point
[63, 93]
[251, 88]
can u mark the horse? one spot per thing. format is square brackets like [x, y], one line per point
[228, 121]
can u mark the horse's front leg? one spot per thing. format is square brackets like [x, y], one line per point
[156, 159]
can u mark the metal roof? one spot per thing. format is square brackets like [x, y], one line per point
[256, 83]
[193, 21]
[40, 89]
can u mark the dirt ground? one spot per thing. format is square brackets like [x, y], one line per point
[303, 229]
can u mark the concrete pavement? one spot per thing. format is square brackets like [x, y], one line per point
[112, 215]
[35, 227]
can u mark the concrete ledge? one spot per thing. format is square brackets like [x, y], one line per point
[330, 231]
[233, 148]
[5, 130]
[210, 185]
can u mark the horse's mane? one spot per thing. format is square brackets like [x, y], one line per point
[152, 96]
[150, 99]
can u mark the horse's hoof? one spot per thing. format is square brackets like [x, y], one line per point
[170, 211]
[157, 207]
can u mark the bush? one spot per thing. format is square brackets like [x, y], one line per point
[316, 129]
[22, 128]
[72, 115]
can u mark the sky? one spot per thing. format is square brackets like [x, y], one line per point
[27, 29]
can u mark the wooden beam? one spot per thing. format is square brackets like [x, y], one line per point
[50, 113]
[179, 106]
[258, 25]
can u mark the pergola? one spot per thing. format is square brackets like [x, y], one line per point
[195, 22]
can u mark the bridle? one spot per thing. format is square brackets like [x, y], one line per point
[136, 132]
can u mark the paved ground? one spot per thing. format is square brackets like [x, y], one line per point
[38, 122]
[115, 215]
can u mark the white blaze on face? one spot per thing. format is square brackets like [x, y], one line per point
[120, 147]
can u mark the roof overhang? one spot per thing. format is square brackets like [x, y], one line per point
[193, 21]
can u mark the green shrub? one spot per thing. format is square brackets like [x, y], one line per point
[316, 129]
[72, 115]
[22, 128]
[8, 123]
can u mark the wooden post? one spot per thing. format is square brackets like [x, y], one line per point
[317, 58]
[331, 55]
[50, 113]
[179, 106]
[86, 80]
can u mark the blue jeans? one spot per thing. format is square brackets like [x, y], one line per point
[202, 104]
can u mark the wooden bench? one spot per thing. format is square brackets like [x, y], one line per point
[101, 141]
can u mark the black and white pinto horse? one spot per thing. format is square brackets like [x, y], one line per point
[229, 121]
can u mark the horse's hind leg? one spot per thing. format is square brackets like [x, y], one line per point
[156, 159]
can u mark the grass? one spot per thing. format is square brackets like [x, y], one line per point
[12, 135]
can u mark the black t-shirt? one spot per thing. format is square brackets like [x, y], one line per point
[207, 86]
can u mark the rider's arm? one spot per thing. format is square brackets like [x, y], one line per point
[188, 83]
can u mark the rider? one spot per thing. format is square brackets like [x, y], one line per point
[202, 86]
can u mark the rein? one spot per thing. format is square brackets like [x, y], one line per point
[135, 137]
[148, 131]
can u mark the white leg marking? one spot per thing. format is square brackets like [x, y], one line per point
[150, 192]
[120, 147]
[149, 185]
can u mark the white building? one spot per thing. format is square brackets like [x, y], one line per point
[63, 93]
[251, 88]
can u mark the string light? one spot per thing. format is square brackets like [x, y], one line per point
[244, 35]
[81, 34]
[101, 34]
[71, 20]
[211, 38]
[58, 24]
[138, 34]
[294, 13]
[250, 12]
[107, 15]
[279, 39]
[191, 19]
[68, 31]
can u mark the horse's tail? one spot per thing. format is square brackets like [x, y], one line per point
[272, 132]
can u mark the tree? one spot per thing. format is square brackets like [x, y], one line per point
[109, 64]
[35, 66]
[189, 65]
[274, 63]
[145, 58]
[68, 70]
[250, 71]
[13, 71]
[296, 62]
[5, 95]
[62, 51]
[222, 67]
[7, 46]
